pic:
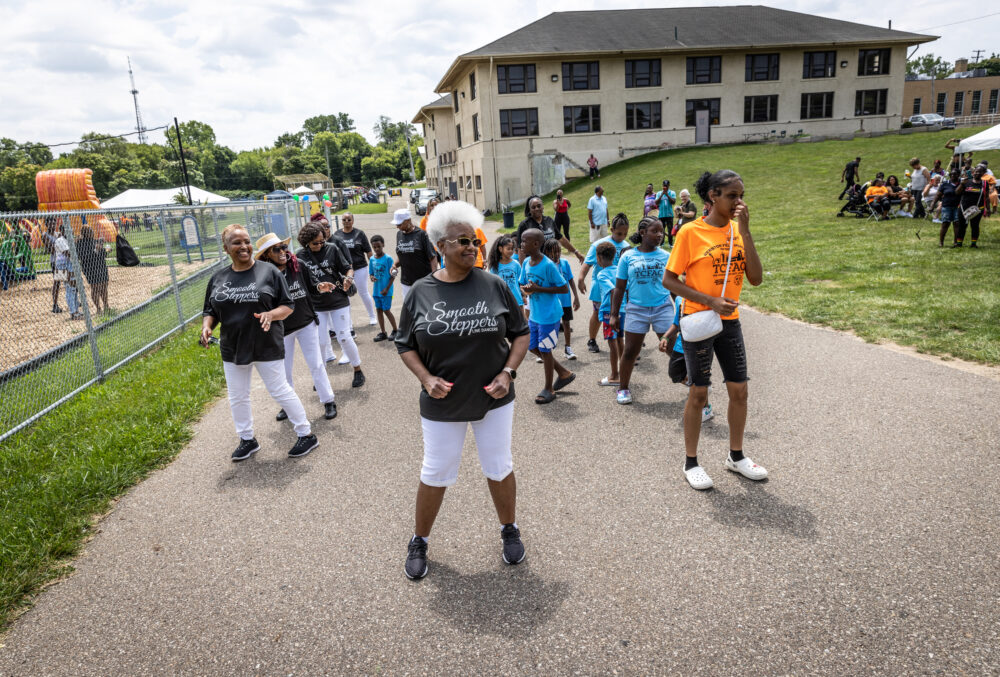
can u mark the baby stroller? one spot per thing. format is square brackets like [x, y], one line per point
[856, 203]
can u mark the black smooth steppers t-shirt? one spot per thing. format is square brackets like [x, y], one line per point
[462, 332]
[327, 265]
[356, 243]
[301, 288]
[550, 229]
[232, 297]
[413, 255]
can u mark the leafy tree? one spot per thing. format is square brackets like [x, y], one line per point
[17, 187]
[353, 148]
[389, 132]
[290, 140]
[13, 153]
[325, 145]
[338, 122]
[194, 134]
[250, 171]
[929, 64]
[992, 64]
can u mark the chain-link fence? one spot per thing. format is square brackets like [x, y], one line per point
[73, 314]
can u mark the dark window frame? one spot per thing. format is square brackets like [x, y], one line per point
[475, 127]
[941, 105]
[810, 105]
[696, 74]
[472, 86]
[958, 103]
[714, 108]
[994, 100]
[454, 97]
[874, 61]
[574, 115]
[752, 105]
[822, 64]
[509, 127]
[654, 115]
[571, 77]
[652, 76]
[863, 102]
[976, 104]
[525, 84]
[770, 69]
[458, 135]
[479, 181]
[917, 105]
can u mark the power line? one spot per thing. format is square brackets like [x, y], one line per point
[77, 143]
[955, 23]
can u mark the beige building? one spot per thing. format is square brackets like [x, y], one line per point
[522, 114]
[964, 94]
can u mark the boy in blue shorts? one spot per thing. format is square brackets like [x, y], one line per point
[381, 275]
[677, 368]
[604, 284]
[542, 281]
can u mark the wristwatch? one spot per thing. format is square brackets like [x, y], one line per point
[512, 372]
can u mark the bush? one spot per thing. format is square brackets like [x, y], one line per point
[907, 124]
[242, 194]
[389, 181]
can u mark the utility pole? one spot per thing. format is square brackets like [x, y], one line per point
[413, 174]
[184, 169]
[977, 55]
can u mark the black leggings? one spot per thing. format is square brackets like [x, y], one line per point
[962, 223]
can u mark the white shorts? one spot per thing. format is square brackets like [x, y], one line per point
[443, 442]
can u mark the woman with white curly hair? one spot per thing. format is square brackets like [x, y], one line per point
[463, 335]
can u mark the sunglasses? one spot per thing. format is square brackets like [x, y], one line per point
[317, 243]
[279, 248]
[465, 241]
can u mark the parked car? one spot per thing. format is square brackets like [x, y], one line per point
[932, 119]
[381, 186]
[415, 195]
[425, 196]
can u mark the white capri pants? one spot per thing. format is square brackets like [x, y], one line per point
[273, 375]
[308, 338]
[361, 282]
[443, 441]
[338, 321]
[405, 288]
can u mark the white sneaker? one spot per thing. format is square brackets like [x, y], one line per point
[747, 468]
[698, 478]
[372, 321]
[344, 359]
[707, 413]
[332, 358]
[538, 360]
[570, 355]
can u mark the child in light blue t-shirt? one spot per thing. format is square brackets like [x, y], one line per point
[570, 302]
[604, 283]
[382, 278]
[501, 262]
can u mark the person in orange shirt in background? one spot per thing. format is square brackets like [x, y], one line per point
[480, 253]
[878, 197]
[701, 253]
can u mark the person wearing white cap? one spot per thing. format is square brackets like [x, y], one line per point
[415, 255]
[302, 325]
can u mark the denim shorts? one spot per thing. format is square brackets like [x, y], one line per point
[949, 214]
[639, 319]
[727, 346]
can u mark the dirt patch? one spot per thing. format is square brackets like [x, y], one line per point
[31, 327]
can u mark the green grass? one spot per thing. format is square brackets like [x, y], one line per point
[875, 279]
[379, 208]
[58, 474]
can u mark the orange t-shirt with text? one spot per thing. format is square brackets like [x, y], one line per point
[479, 252]
[701, 251]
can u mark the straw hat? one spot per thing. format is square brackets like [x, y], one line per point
[266, 242]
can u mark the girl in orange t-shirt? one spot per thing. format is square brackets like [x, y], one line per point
[701, 253]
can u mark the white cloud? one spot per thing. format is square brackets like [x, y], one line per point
[253, 69]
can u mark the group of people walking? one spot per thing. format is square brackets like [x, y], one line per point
[463, 328]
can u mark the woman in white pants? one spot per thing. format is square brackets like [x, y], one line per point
[356, 243]
[302, 325]
[463, 335]
[250, 300]
[326, 263]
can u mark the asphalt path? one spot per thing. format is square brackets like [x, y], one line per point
[872, 548]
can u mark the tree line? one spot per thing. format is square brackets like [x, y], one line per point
[326, 144]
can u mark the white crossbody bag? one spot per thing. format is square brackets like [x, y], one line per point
[706, 323]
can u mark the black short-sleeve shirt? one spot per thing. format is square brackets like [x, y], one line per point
[327, 265]
[301, 288]
[232, 297]
[462, 332]
[413, 255]
[550, 229]
[357, 245]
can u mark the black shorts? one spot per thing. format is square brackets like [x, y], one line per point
[677, 369]
[728, 348]
[567, 313]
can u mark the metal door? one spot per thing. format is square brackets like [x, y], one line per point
[452, 188]
[702, 129]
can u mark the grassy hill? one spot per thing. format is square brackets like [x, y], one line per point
[875, 279]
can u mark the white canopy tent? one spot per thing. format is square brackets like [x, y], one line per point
[137, 197]
[988, 139]
[303, 190]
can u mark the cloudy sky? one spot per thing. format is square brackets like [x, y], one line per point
[254, 69]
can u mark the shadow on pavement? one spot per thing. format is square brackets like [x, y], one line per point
[273, 474]
[513, 604]
[756, 508]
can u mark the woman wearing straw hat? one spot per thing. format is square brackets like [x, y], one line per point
[250, 300]
[302, 325]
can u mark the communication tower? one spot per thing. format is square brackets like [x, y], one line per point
[135, 97]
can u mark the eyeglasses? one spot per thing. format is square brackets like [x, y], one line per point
[465, 241]
[317, 243]
[279, 248]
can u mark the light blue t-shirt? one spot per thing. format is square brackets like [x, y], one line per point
[566, 299]
[605, 284]
[598, 207]
[379, 266]
[644, 273]
[511, 274]
[678, 305]
[666, 206]
[591, 260]
[545, 308]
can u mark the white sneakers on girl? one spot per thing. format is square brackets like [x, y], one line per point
[747, 468]
[698, 478]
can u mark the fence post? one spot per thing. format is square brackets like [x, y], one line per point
[173, 270]
[246, 219]
[81, 295]
[218, 238]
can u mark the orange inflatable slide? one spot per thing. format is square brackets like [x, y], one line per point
[61, 190]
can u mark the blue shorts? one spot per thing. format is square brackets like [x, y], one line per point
[382, 302]
[949, 214]
[639, 319]
[543, 337]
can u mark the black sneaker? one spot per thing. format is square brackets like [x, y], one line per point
[513, 548]
[381, 336]
[973, 246]
[303, 446]
[353, 333]
[359, 379]
[281, 416]
[56, 308]
[330, 409]
[416, 559]
[392, 335]
[592, 346]
[246, 449]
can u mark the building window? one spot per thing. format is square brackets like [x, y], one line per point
[642, 73]
[458, 135]
[760, 108]
[692, 105]
[817, 105]
[702, 70]
[519, 122]
[870, 101]
[916, 106]
[992, 107]
[581, 75]
[454, 98]
[479, 182]
[435, 147]
[942, 101]
[762, 67]
[959, 103]
[873, 62]
[977, 99]
[581, 119]
[819, 64]
[519, 79]
[472, 86]
[475, 127]
[643, 115]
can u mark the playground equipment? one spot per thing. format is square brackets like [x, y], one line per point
[61, 190]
